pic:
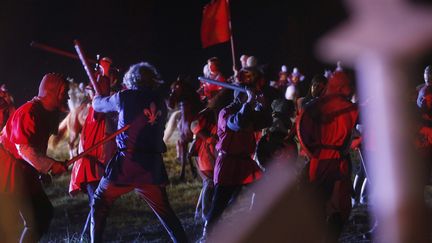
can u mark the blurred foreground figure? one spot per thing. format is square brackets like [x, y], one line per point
[24, 142]
[138, 164]
[325, 130]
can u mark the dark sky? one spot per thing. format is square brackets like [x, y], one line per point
[166, 33]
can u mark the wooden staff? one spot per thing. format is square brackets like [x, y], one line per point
[96, 145]
[84, 62]
[231, 35]
[58, 51]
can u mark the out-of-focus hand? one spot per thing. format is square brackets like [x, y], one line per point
[356, 142]
[235, 70]
[251, 96]
[58, 168]
[211, 140]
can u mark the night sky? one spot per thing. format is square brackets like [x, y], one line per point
[165, 33]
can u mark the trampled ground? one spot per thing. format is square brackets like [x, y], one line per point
[131, 220]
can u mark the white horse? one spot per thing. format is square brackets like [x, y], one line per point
[70, 127]
[171, 127]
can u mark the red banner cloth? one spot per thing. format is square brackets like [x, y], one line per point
[215, 23]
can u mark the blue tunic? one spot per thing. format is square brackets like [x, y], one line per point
[139, 159]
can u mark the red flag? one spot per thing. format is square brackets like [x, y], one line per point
[215, 23]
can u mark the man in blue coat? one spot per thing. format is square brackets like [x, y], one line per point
[138, 164]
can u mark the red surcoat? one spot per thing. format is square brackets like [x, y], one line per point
[206, 147]
[91, 167]
[30, 125]
[331, 120]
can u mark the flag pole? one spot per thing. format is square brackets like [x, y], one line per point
[231, 35]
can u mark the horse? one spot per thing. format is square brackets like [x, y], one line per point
[70, 127]
[184, 96]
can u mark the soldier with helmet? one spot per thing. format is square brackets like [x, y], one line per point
[207, 90]
[282, 82]
[292, 91]
[277, 147]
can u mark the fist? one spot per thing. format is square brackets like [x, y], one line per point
[251, 96]
[58, 168]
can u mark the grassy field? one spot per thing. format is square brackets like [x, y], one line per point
[130, 220]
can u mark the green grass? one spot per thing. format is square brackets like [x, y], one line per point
[130, 219]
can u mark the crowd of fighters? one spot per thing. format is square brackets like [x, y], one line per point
[239, 136]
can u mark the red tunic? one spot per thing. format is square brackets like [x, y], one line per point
[91, 167]
[30, 125]
[234, 164]
[332, 119]
[206, 147]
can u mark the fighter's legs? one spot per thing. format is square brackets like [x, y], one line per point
[91, 189]
[157, 198]
[208, 190]
[10, 221]
[105, 195]
[37, 213]
[222, 197]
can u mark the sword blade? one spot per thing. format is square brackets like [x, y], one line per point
[222, 84]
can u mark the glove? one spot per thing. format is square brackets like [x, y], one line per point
[58, 168]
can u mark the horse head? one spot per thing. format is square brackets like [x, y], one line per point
[77, 95]
[181, 91]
